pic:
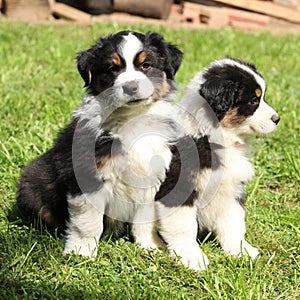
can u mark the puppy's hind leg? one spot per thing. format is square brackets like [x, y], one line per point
[178, 228]
[85, 226]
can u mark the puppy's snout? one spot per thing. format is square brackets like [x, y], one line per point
[130, 88]
[275, 119]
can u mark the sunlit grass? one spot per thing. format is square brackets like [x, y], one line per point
[40, 87]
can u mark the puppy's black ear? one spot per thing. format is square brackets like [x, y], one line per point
[171, 54]
[220, 95]
[175, 58]
[84, 66]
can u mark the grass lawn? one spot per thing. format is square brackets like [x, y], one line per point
[40, 87]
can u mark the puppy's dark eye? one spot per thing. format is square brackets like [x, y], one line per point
[113, 68]
[253, 101]
[145, 66]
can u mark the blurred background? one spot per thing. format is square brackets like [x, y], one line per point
[276, 15]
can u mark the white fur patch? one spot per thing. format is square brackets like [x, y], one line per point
[85, 225]
[178, 226]
[133, 178]
[219, 211]
[261, 121]
[129, 49]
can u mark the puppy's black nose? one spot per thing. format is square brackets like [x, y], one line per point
[130, 88]
[275, 119]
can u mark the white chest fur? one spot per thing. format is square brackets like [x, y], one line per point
[133, 177]
[140, 168]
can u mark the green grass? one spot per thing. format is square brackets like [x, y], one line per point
[40, 86]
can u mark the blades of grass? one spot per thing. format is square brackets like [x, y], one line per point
[270, 259]
[23, 261]
[291, 160]
[213, 291]
[256, 186]
[297, 229]
[206, 238]
[6, 153]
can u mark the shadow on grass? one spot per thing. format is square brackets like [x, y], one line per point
[19, 288]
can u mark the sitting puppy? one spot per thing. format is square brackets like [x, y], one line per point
[224, 104]
[103, 163]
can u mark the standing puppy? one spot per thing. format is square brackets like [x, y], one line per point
[101, 164]
[224, 105]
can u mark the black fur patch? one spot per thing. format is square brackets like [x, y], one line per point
[46, 182]
[184, 167]
[241, 197]
[229, 86]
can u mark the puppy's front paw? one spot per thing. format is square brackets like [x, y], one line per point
[87, 248]
[250, 250]
[198, 263]
[152, 243]
[242, 248]
[193, 258]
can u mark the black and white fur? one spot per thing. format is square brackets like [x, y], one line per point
[225, 103]
[102, 163]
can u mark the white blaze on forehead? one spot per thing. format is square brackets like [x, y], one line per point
[130, 48]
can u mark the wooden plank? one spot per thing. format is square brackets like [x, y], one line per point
[245, 25]
[214, 16]
[238, 15]
[224, 16]
[289, 3]
[69, 12]
[24, 10]
[51, 3]
[265, 7]
[148, 8]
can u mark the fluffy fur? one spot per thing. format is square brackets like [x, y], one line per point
[225, 103]
[124, 140]
[103, 163]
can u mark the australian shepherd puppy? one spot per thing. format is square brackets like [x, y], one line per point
[225, 104]
[103, 163]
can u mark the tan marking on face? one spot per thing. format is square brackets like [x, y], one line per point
[232, 118]
[142, 57]
[116, 60]
[161, 87]
[258, 92]
[102, 162]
